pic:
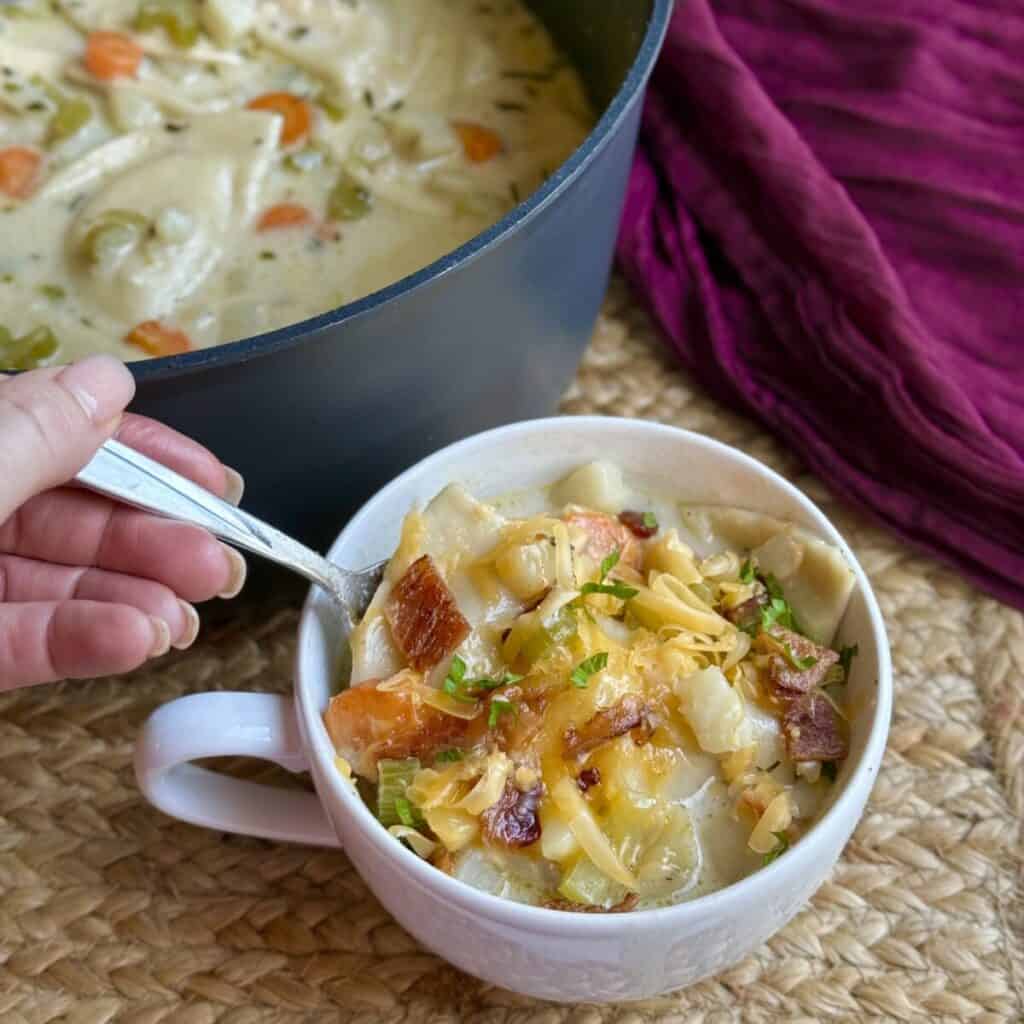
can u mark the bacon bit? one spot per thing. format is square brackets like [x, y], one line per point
[588, 778]
[19, 168]
[628, 714]
[296, 112]
[634, 522]
[158, 339]
[110, 55]
[812, 730]
[624, 906]
[479, 144]
[749, 612]
[366, 724]
[425, 621]
[781, 673]
[514, 820]
[284, 215]
[605, 535]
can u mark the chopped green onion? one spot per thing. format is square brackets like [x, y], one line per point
[846, 655]
[778, 851]
[393, 778]
[585, 669]
[333, 108]
[747, 572]
[801, 664]
[449, 756]
[499, 706]
[619, 590]
[650, 520]
[348, 200]
[52, 291]
[609, 563]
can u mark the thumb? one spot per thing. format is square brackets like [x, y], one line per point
[52, 421]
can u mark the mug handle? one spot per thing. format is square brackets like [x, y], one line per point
[260, 725]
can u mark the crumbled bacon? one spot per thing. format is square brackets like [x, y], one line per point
[813, 730]
[588, 778]
[605, 535]
[782, 673]
[515, 819]
[366, 724]
[626, 904]
[630, 713]
[635, 522]
[748, 613]
[425, 620]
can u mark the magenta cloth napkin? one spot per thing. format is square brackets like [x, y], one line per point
[826, 217]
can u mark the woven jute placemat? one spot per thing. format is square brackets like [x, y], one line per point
[111, 911]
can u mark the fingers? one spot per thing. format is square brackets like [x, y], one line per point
[182, 454]
[48, 640]
[78, 528]
[25, 580]
[52, 421]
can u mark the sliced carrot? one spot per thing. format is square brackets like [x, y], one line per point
[297, 113]
[284, 215]
[19, 167]
[479, 144]
[112, 55]
[157, 339]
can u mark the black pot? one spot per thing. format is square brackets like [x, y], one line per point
[319, 415]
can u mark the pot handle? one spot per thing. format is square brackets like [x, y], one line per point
[259, 725]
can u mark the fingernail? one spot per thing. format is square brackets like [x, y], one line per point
[101, 385]
[161, 637]
[235, 486]
[236, 573]
[191, 630]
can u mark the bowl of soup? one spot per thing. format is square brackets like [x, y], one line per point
[361, 228]
[607, 724]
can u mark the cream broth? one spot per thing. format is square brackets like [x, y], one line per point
[175, 174]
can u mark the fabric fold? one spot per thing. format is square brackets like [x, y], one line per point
[829, 258]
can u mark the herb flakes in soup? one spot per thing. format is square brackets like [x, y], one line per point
[192, 172]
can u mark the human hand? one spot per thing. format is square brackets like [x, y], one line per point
[89, 587]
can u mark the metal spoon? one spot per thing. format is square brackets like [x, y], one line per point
[122, 473]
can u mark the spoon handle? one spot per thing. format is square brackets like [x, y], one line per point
[121, 472]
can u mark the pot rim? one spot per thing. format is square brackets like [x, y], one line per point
[285, 337]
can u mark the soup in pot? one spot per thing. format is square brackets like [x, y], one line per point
[175, 174]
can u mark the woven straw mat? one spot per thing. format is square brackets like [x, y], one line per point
[111, 911]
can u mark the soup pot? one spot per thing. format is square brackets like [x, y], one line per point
[318, 415]
[539, 952]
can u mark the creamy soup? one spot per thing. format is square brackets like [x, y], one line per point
[590, 698]
[179, 173]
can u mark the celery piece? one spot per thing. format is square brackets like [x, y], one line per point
[333, 108]
[393, 778]
[28, 352]
[69, 118]
[114, 232]
[584, 883]
[178, 18]
[348, 200]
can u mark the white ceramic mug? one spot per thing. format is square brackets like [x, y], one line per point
[545, 953]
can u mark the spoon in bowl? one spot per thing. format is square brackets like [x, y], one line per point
[122, 473]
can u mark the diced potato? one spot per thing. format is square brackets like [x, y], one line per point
[557, 842]
[527, 569]
[597, 485]
[713, 710]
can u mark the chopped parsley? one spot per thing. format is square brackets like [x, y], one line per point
[609, 563]
[620, 590]
[499, 706]
[747, 572]
[779, 849]
[585, 669]
[466, 691]
[800, 664]
[650, 520]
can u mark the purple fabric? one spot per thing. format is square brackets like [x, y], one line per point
[826, 217]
